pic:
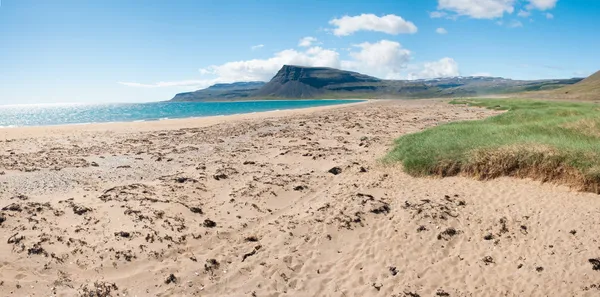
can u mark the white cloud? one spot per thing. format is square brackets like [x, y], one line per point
[445, 67]
[258, 46]
[390, 24]
[542, 4]
[264, 69]
[549, 16]
[437, 14]
[514, 24]
[385, 59]
[489, 9]
[307, 41]
[441, 31]
[478, 9]
[524, 13]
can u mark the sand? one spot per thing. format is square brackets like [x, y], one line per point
[290, 203]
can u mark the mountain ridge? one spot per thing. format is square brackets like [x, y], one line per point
[300, 82]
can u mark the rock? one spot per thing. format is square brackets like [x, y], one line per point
[220, 176]
[251, 239]
[209, 224]
[377, 286]
[171, 279]
[13, 207]
[196, 209]
[299, 188]
[447, 234]
[335, 170]
[123, 234]
[488, 260]
[595, 263]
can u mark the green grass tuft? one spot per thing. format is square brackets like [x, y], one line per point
[548, 141]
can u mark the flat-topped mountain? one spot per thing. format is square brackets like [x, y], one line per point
[298, 82]
[310, 82]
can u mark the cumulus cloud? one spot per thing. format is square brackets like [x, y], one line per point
[390, 24]
[307, 41]
[264, 69]
[478, 9]
[258, 46]
[385, 59]
[252, 70]
[445, 67]
[542, 4]
[549, 16]
[489, 9]
[441, 31]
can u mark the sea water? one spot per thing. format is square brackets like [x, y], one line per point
[61, 114]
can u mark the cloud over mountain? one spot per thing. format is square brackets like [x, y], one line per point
[445, 67]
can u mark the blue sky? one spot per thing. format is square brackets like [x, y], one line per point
[137, 51]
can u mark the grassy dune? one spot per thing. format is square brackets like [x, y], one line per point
[585, 90]
[548, 141]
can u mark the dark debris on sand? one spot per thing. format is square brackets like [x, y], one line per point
[99, 289]
[171, 279]
[335, 170]
[209, 223]
[448, 234]
[595, 263]
[252, 253]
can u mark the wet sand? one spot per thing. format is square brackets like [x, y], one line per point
[288, 203]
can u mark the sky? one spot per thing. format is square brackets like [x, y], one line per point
[58, 51]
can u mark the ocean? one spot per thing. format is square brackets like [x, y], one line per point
[62, 114]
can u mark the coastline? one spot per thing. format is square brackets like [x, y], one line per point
[166, 124]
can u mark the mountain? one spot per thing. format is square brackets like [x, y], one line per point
[310, 82]
[297, 82]
[238, 90]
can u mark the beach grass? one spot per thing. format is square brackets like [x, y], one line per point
[544, 140]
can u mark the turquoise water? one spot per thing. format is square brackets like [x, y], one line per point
[60, 114]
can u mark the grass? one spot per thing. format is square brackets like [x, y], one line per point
[585, 90]
[548, 141]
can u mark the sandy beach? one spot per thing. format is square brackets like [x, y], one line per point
[286, 203]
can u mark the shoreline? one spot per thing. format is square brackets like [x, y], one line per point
[166, 124]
